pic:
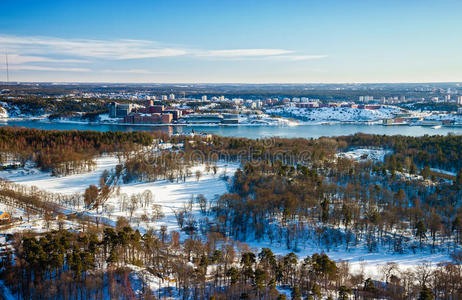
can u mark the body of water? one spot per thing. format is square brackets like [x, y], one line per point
[249, 131]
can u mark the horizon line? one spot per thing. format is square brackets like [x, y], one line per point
[226, 83]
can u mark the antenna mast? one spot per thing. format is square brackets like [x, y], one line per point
[7, 70]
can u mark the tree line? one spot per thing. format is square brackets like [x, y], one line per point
[65, 152]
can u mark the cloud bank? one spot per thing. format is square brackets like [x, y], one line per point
[35, 53]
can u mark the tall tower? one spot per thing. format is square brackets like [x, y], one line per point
[7, 70]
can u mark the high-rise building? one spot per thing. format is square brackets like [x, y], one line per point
[459, 100]
[204, 98]
[366, 98]
[171, 96]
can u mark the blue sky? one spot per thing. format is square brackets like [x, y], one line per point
[232, 41]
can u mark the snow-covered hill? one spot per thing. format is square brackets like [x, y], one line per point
[336, 114]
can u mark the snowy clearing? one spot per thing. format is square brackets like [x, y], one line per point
[365, 154]
[71, 184]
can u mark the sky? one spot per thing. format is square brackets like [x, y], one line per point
[231, 41]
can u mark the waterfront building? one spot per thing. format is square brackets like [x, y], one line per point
[142, 118]
[230, 119]
[117, 110]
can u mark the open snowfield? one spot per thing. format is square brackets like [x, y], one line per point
[171, 196]
[77, 183]
[174, 196]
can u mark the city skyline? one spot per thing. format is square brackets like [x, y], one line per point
[238, 42]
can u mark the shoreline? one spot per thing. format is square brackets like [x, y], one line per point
[43, 119]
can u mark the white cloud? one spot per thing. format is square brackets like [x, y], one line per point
[51, 54]
[244, 52]
[102, 49]
[134, 71]
[38, 49]
[297, 57]
[43, 68]
[21, 59]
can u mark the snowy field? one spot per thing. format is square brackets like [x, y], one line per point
[363, 154]
[77, 183]
[174, 196]
[170, 196]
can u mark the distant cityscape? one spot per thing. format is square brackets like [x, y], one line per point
[436, 104]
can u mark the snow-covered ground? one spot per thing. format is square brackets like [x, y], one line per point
[336, 114]
[22, 222]
[170, 196]
[3, 113]
[443, 172]
[174, 196]
[358, 257]
[365, 154]
[264, 119]
[457, 118]
[76, 183]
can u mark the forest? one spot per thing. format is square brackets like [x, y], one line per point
[295, 191]
[69, 265]
[64, 152]
[436, 151]
[38, 105]
[291, 193]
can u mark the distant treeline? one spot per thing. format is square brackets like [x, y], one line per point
[432, 106]
[36, 105]
[65, 152]
[435, 151]
[320, 91]
[443, 152]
